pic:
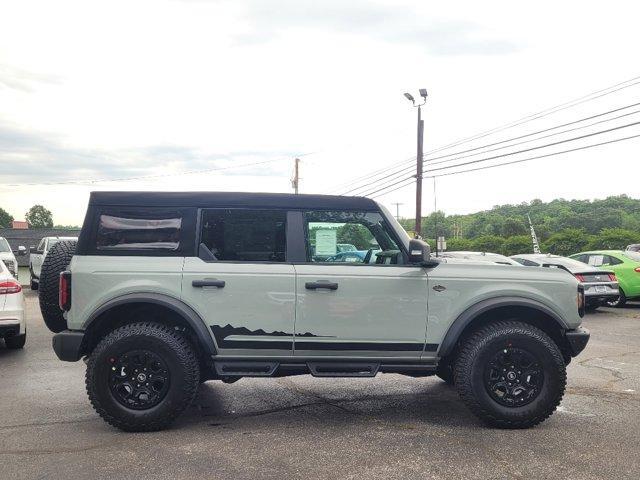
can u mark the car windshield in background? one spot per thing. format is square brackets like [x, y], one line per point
[4, 246]
[635, 256]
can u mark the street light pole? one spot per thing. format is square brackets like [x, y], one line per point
[423, 94]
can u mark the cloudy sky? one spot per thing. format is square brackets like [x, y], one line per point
[223, 95]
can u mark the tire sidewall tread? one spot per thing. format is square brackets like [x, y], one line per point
[181, 360]
[469, 370]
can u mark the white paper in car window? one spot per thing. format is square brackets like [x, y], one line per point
[596, 260]
[326, 242]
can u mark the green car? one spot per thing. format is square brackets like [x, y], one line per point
[626, 266]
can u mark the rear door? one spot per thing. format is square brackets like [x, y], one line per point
[241, 284]
[371, 305]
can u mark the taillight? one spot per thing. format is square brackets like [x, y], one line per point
[580, 300]
[64, 296]
[612, 277]
[9, 287]
[637, 269]
[579, 277]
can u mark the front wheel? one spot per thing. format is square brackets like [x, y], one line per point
[142, 376]
[511, 375]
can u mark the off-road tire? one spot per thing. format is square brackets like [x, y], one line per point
[174, 349]
[445, 372]
[56, 261]
[477, 351]
[619, 302]
[16, 342]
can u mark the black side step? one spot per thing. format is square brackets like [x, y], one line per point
[246, 369]
[334, 369]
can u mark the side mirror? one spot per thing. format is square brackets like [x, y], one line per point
[33, 249]
[420, 253]
[22, 250]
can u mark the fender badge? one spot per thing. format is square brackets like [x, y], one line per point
[439, 288]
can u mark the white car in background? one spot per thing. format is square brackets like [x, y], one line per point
[8, 258]
[13, 327]
[37, 255]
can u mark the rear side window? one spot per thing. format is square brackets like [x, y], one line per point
[139, 232]
[244, 235]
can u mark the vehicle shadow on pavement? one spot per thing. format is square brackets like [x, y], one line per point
[393, 400]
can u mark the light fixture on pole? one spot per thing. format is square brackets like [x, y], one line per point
[423, 94]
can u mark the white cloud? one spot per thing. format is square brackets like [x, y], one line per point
[118, 89]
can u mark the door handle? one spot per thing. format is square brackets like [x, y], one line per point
[208, 283]
[317, 285]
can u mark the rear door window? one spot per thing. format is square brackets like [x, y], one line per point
[243, 235]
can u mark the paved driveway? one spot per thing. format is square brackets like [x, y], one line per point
[301, 427]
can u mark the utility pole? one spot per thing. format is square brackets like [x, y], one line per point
[423, 94]
[397, 209]
[296, 176]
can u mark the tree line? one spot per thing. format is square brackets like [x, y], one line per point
[563, 226]
[37, 217]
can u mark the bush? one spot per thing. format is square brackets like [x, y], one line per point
[517, 244]
[567, 242]
[613, 239]
[488, 243]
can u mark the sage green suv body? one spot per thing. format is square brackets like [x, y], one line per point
[199, 286]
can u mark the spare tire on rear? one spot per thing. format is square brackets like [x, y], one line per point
[56, 261]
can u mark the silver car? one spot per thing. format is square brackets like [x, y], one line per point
[600, 286]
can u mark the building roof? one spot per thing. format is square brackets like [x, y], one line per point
[230, 199]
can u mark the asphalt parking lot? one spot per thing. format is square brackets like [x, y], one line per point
[301, 427]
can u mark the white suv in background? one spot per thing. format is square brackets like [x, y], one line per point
[13, 327]
[37, 255]
[8, 258]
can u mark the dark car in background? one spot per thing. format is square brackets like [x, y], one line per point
[600, 286]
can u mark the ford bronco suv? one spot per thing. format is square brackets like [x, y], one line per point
[167, 290]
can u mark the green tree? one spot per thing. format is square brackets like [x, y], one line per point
[567, 242]
[39, 217]
[355, 234]
[613, 239]
[459, 244]
[5, 219]
[517, 244]
[488, 243]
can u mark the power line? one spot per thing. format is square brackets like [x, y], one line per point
[446, 167]
[543, 113]
[528, 159]
[395, 174]
[585, 147]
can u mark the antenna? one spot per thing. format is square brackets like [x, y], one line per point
[534, 238]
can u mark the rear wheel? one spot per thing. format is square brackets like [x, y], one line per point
[32, 281]
[619, 301]
[56, 261]
[142, 376]
[510, 374]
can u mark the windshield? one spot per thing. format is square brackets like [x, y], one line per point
[635, 256]
[4, 246]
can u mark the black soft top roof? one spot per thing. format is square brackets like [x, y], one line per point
[230, 199]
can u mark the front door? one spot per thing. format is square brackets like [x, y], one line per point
[241, 284]
[354, 295]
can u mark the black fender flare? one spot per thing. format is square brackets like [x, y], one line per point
[466, 317]
[185, 311]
